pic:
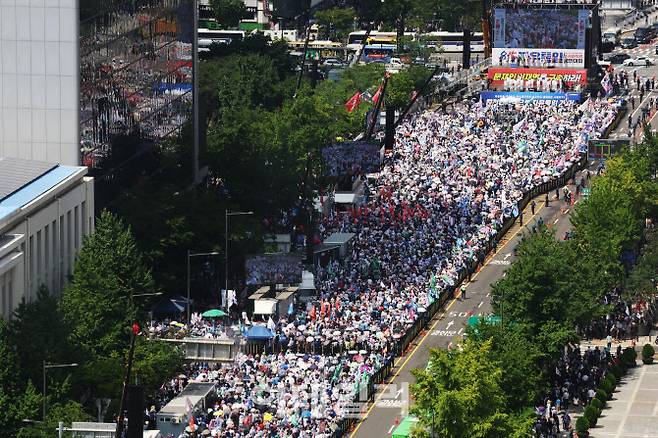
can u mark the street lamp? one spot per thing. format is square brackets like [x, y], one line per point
[47, 366]
[194, 254]
[228, 213]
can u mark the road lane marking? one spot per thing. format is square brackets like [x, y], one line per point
[391, 429]
[555, 221]
[480, 305]
[454, 300]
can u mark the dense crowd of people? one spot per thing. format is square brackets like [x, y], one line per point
[574, 381]
[438, 201]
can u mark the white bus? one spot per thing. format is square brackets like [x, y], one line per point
[208, 37]
[453, 42]
[355, 39]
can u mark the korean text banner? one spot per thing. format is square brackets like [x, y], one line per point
[499, 75]
[523, 95]
[540, 28]
[572, 58]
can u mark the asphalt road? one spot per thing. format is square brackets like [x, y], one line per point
[392, 400]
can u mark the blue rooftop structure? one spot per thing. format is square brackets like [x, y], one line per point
[22, 181]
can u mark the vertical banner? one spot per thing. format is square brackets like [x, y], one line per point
[583, 21]
[499, 28]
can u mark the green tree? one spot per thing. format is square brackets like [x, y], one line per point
[97, 303]
[67, 412]
[522, 381]
[40, 333]
[155, 362]
[546, 275]
[460, 394]
[228, 13]
[335, 23]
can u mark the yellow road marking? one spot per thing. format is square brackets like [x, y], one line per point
[413, 352]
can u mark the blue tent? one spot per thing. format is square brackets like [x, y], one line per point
[170, 306]
[259, 332]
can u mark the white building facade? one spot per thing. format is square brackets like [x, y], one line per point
[39, 84]
[45, 212]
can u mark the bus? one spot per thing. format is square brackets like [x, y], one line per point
[319, 49]
[355, 39]
[208, 37]
[378, 52]
[453, 42]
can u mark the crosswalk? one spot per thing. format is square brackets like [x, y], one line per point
[643, 50]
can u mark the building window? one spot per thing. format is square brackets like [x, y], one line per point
[32, 265]
[69, 241]
[38, 281]
[76, 229]
[46, 254]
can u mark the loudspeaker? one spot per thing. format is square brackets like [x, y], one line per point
[135, 412]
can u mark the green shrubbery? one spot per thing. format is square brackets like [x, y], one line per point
[582, 426]
[647, 353]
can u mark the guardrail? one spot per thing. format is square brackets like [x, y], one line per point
[211, 350]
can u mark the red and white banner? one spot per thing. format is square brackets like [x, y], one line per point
[498, 75]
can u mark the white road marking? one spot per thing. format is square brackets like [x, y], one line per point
[555, 221]
[508, 255]
[460, 331]
[480, 305]
[450, 324]
[391, 429]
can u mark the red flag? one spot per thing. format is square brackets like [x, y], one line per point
[378, 94]
[354, 101]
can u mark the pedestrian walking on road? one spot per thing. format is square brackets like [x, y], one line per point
[630, 119]
[463, 292]
[521, 218]
[546, 200]
[532, 206]
[557, 194]
[632, 103]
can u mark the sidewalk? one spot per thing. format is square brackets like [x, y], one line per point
[633, 410]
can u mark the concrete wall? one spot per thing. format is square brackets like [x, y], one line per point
[40, 245]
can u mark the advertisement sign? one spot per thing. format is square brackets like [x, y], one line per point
[572, 58]
[499, 27]
[352, 158]
[528, 95]
[540, 28]
[264, 269]
[499, 75]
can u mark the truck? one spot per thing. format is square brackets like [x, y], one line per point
[612, 35]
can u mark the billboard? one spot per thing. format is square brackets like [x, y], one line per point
[605, 148]
[265, 269]
[352, 158]
[498, 75]
[570, 58]
[528, 95]
[540, 28]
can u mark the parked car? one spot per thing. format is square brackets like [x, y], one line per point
[628, 43]
[333, 63]
[640, 60]
[618, 58]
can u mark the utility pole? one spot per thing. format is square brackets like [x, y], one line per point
[371, 126]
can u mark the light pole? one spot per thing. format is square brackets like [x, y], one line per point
[228, 213]
[194, 254]
[47, 366]
[131, 352]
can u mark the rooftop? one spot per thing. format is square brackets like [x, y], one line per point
[23, 181]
